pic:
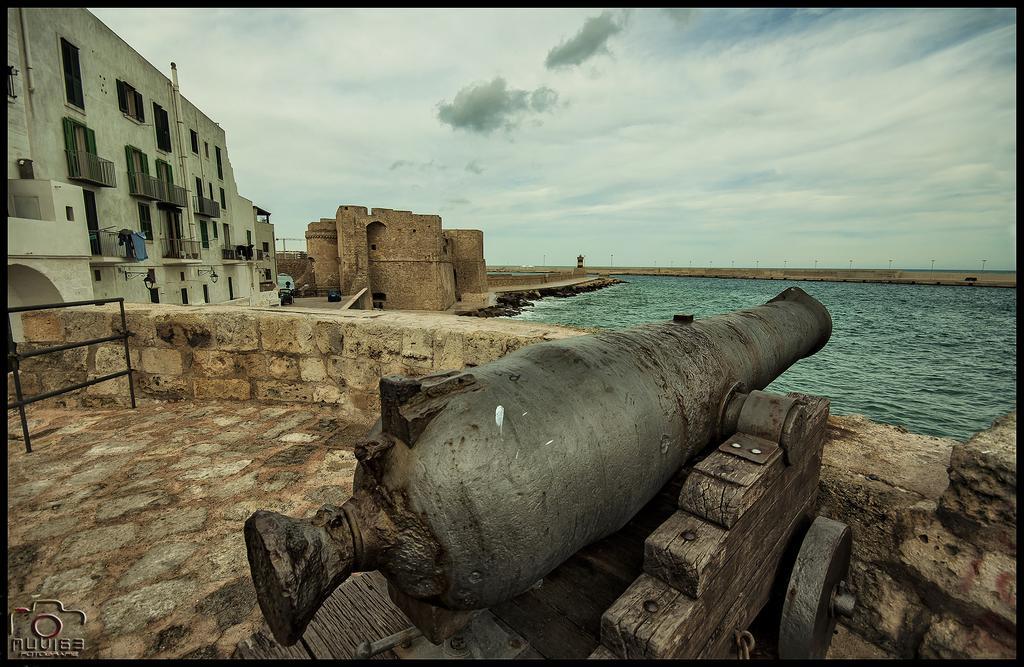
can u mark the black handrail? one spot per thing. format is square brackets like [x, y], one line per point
[14, 359]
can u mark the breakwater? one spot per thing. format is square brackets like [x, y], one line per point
[512, 303]
[893, 276]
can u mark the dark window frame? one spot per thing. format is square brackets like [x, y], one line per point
[162, 125]
[130, 100]
[195, 141]
[146, 221]
[220, 167]
[71, 65]
[223, 199]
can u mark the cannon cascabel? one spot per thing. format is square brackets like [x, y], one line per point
[476, 484]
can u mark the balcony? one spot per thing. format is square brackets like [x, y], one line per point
[183, 249]
[206, 207]
[83, 166]
[172, 194]
[143, 185]
[106, 244]
[229, 254]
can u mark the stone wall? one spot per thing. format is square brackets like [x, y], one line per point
[293, 355]
[934, 520]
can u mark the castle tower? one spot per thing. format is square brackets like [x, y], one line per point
[322, 248]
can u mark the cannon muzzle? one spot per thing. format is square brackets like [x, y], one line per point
[475, 484]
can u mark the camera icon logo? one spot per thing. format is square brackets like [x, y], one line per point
[47, 629]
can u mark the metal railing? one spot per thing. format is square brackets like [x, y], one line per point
[206, 207]
[14, 359]
[143, 185]
[228, 253]
[180, 249]
[173, 194]
[106, 244]
[83, 166]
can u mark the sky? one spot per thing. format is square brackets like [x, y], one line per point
[637, 137]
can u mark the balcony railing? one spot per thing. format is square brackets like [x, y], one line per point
[206, 207]
[143, 185]
[228, 253]
[173, 194]
[83, 166]
[180, 249]
[106, 244]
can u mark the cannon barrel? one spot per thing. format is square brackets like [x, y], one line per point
[476, 484]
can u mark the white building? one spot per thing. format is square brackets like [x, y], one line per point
[100, 141]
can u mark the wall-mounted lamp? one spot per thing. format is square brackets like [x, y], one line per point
[212, 273]
[150, 277]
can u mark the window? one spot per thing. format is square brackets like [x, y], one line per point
[164, 172]
[199, 187]
[12, 72]
[266, 247]
[78, 139]
[211, 191]
[195, 141]
[138, 162]
[96, 275]
[145, 221]
[72, 74]
[227, 235]
[220, 168]
[184, 296]
[214, 230]
[183, 276]
[223, 201]
[248, 237]
[206, 293]
[69, 211]
[163, 128]
[129, 101]
[206, 148]
[266, 272]
[154, 295]
[204, 233]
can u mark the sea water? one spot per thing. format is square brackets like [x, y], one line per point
[936, 360]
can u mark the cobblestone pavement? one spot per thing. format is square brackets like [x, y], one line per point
[135, 516]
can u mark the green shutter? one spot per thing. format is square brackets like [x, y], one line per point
[122, 97]
[145, 162]
[139, 108]
[90, 141]
[128, 158]
[69, 144]
[170, 173]
[203, 234]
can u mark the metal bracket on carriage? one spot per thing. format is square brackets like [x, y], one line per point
[760, 423]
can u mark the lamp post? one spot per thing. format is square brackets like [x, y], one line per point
[757, 264]
[933, 270]
[785, 263]
[983, 264]
[851, 265]
[890, 265]
[613, 260]
[815, 265]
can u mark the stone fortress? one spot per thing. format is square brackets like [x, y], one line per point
[403, 260]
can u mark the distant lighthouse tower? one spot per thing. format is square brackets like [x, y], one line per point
[579, 265]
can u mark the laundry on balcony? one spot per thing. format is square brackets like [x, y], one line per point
[134, 244]
[139, 241]
[242, 251]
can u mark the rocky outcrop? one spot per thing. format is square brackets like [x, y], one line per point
[512, 303]
[934, 525]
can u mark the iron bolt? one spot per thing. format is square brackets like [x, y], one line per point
[755, 451]
[689, 535]
[651, 606]
[736, 445]
[458, 642]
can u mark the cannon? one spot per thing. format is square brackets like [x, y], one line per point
[475, 485]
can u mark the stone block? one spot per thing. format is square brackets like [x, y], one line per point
[967, 575]
[286, 333]
[418, 344]
[253, 365]
[161, 361]
[110, 359]
[361, 374]
[329, 336]
[276, 390]
[43, 326]
[222, 388]
[449, 348]
[87, 322]
[485, 346]
[373, 341]
[184, 329]
[947, 639]
[312, 369]
[328, 393]
[235, 331]
[213, 363]
[115, 387]
[163, 386]
[283, 367]
[980, 504]
[143, 327]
